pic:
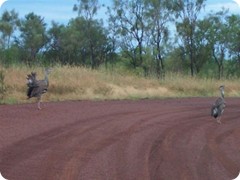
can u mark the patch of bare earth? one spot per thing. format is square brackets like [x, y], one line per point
[145, 139]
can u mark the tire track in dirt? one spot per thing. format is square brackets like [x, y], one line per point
[222, 149]
[57, 137]
[94, 145]
[123, 154]
[171, 148]
[146, 139]
[97, 146]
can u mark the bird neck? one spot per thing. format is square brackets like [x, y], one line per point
[222, 93]
[46, 77]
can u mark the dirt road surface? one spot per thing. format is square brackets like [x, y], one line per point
[169, 139]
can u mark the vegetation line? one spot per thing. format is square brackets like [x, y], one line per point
[147, 37]
[78, 83]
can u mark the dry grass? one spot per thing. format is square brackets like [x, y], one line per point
[75, 83]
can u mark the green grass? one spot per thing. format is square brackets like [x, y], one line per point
[76, 83]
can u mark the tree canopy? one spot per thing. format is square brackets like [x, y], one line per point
[148, 37]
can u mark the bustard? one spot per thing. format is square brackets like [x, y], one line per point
[219, 105]
[36, 88]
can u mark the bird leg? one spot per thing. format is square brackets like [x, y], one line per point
[39, 103]
[219, 120]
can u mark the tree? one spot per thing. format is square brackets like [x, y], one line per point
[87, 9]
[71, 45]
[54, 51]
[233, 24]
[113, 37]
[218, 39]
[202, 47]
[33, 36]
[187, 12]
[8, 24]
[158, 16]
[129, 16]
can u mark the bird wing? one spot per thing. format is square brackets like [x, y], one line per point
[218, 107]
[29, 91]
[219, 101]
[42, 83]
[37, 89]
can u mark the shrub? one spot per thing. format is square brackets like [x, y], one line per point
[2, 86]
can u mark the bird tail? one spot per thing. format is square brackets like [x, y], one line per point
[31, 83]
[31, 79]
[214, 111]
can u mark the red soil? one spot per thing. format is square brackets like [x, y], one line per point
[126, 140]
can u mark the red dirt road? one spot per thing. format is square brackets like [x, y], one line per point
[123, 140]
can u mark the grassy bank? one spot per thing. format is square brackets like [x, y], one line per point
[75, 83]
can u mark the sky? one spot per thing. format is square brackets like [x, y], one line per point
[61, 11]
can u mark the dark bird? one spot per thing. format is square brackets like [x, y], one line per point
[219, 105]
[36, 88]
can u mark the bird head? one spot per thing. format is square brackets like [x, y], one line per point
[48, 71]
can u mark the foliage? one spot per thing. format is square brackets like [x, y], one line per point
[32, 37]
[233, 26]
[188, 12]
[78, 43]
[128, 17]
[8, 24]
[86, 83]
[2, 86]
[138, 37]
[158, 16]
[217, 38]
[86, 8]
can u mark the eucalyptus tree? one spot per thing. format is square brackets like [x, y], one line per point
[187, 13]
[87, 9]
[54, 49]
[68, 43]
[89, 42]
[218, 39]
[233, 24]
[202, 46]
[113, 37]
[71, 42]
[33, 37]
[158, 15]
[8, 25]
[129, 20]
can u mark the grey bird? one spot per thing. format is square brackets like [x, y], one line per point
[218, 106]
[36, 88]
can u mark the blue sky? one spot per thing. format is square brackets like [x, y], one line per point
[58, 10]
[61, 10]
